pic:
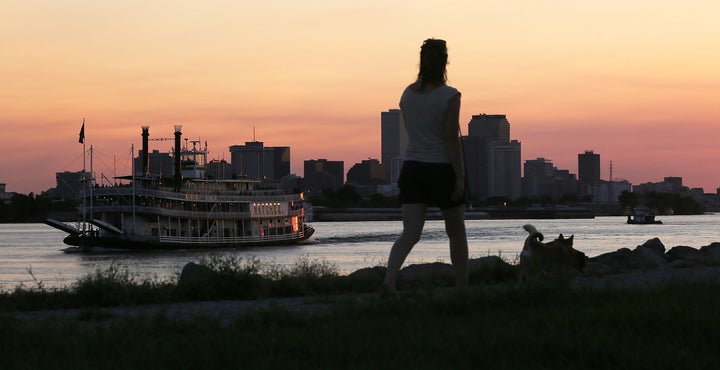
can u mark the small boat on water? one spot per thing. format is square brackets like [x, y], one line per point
[188, 211]
[642, 216]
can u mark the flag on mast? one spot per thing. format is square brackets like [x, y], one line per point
[82, 133]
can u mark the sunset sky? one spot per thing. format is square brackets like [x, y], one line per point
[638, 82]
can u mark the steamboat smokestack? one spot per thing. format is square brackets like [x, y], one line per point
[178, 171]
[145, 157]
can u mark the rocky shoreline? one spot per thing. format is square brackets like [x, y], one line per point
[647, 265]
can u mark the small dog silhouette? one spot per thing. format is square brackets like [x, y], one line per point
[545, 259]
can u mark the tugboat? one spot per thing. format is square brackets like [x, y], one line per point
[642, 216]
[188, 211]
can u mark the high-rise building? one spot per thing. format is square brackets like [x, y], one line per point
[538, 178]
[492, 160]
[539, 167]
[588, 167]
[504, 162]
[588, 173]
[281, 162]
[493, 127]
[322, 174]
[393, 142]
[369, 172]
[218, 170]
[475, 150]
[252, 161]
[69, 185]
[159, 164]
[675, 182]
[255, 161]
[368, 177]
[543, 180]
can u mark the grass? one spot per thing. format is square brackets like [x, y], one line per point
[492, 325]
[220, 277]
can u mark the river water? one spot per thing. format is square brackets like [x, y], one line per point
[32, 252]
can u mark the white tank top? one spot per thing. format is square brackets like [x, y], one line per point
[424, 116]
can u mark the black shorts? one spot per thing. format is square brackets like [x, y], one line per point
[428, 183]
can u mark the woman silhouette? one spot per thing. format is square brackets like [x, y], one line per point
[433, 172]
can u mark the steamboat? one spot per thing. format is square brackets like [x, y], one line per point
[188, 211]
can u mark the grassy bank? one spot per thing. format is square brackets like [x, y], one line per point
[494, 324]
[220, 278]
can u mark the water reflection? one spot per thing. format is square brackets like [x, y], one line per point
[349, 245]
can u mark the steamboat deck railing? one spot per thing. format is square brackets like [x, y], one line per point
[217, 240]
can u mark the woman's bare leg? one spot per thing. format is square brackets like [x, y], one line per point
[455, 229]
[413, 221]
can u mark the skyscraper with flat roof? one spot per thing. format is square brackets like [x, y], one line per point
[476, 163]
[492, 160]
[493, 127]
[69, 185]
[504, 163]
[543, 180]
[367, 172]
[159, 163]
[252, 161]
[322, 174]
[281, 161]
[218, 169]
[588, 167]
[393, 142]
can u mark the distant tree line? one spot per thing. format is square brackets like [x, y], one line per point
[348, 197]
[32, 208]
[36, 208]
[664, 203]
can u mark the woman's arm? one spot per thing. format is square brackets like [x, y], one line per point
[453, 145]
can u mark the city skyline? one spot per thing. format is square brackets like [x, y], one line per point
[633, 81]
[588, 165]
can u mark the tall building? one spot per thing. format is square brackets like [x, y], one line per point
[493, 127]
[218, 170]
[255, 161]
[492, 160]
[69, 185]
[367, 177]
[539, 167]
[543, 180]
[252, 161]
[281, 162]
[393, 142]
[322, 174]
[588, 167]
[538, 178]
[475, 150]
[369, 172]
[675, 182]
[588, 173]
[159, 164]
[504, 165]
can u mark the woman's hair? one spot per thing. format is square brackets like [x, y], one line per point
[433, 60]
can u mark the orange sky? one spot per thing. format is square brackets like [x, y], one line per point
[635, 81]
